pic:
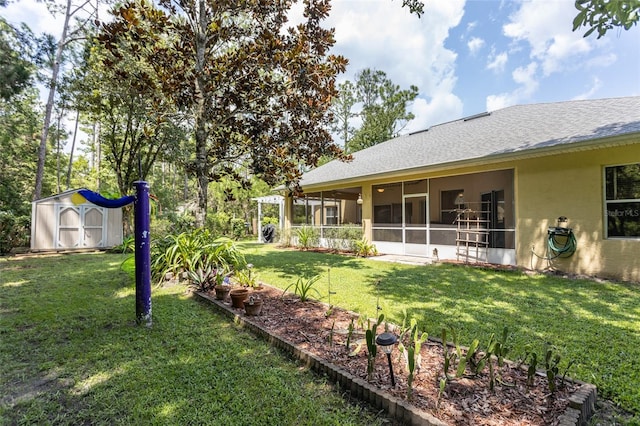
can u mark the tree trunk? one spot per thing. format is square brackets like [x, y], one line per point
[73, 146]
[55, 69]
[58, 153]
[200, 129]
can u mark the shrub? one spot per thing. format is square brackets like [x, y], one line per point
[269, 220]
[364, 248]
[238, 228]
[307, 237]
[219, 223]
[190, 251]
[341, 237]
[15, 231]
[128, 245]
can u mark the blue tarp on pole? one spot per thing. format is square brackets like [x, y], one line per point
[99, 200]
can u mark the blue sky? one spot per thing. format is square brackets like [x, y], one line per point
[466, 57]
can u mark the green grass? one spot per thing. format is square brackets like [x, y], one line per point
[70, 353]
[595, 324]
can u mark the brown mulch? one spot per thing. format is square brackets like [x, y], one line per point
[465, 401]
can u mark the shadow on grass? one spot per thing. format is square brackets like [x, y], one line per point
[71, 354]
[595, 324]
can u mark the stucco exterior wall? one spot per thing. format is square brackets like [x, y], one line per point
[572, 185]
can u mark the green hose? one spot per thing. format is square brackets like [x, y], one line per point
[561, 244]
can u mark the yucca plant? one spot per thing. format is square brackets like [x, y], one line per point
[307, 237]
[303, 287]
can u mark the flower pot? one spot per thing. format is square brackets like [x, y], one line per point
[222, 291]
[253, 306]
[238, 296]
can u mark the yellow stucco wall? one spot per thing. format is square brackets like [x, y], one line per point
[572, 185]
[546, 187]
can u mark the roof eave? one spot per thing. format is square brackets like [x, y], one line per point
[613, 141]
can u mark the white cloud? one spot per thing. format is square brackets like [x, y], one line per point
[475, 44]
[545, 25]
[526, 78]
[385, 36]
[35, 15]
[596, 84]
[443, 107]
[497, 62]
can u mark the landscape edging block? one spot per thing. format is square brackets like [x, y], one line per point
[581, 403]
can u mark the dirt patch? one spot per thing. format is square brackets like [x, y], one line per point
[468, 400]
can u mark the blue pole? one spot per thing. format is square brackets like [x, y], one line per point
[143, 254]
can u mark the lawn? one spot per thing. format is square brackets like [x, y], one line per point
[595, 324]
[71, 354]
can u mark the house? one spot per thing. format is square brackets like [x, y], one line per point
[68, 221]
[540, 186]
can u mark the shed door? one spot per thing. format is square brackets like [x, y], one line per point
[80, 226]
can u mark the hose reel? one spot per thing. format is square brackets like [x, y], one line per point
[561, 241]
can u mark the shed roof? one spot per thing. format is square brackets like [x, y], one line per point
[514, 132]
[59, 195]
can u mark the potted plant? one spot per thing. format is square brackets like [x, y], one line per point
[253, 306]
[238, 296]
[223, 286]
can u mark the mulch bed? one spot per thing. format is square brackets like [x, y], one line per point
[468, 400]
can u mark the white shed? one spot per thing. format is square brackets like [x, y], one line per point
[67, 221]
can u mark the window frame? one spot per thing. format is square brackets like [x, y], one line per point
[634, 212]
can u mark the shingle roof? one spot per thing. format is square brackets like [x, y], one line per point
[518, 130]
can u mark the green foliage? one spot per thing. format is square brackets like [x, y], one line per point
[246, 277]
[532, 368]
[604, 15]
[203, 278]
[128, 245]
[189, 251]
[308, 237]
[219, 223]
[364, 248]
[234, 95]
[303, 287]
[341, 237]
[449, 355]
[370, 336]
[413, 354]
[270, 220]
[350, 331]
[238, 228]
[384, 109]
[14, 231]
[16, 68]
[20, 122]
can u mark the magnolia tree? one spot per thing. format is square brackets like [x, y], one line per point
[256, 89]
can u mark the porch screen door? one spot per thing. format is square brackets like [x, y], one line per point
[414, 224]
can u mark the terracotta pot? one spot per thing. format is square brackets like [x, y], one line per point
[253, 306]
[238, 296]
[222, 291]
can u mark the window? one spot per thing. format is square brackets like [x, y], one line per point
[331, 215]
[450, 202]
[622, 203]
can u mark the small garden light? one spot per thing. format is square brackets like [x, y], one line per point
[386, 342]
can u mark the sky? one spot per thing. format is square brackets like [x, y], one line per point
[465, 57]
